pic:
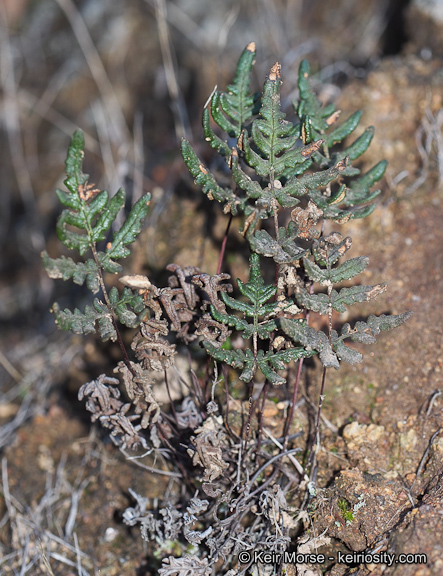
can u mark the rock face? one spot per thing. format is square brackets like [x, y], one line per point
[366, 444]
[363, 512]
[360, 507]
[402, 98]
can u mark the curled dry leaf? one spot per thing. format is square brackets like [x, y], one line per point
[182, 279]
[207, 451]
[211, 285]
[139, 390]
[188, 416]
[212, 330]
[187, 565]
[102, 396]
[123, 431]
[152, 350]
[305, 220]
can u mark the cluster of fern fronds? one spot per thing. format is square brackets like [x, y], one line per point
[283, 181]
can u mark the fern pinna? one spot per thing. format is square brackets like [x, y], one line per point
[261, 311]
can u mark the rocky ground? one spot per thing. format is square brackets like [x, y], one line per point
[380, 475]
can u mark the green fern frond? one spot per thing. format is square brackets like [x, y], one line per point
[309, 105]
[267, 362]
[345, 271]
[364, 333]
[271, 133]
[328, 250]
[65, 268]
[232, 109]
[311, 339]
[129, 231]
[207, 181]
[99, 316]
[338, 299]
[73, 167]
[354, 295]
[258, 307]
[337, 135]
[126, 306]
[95, 318]
[91, 211]
[358, 190]
[86, 220]
[316, 302]
[283, 251]
[322, 121]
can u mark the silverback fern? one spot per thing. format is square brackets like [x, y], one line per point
[287, 179]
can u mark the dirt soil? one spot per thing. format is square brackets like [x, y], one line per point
[380, 466]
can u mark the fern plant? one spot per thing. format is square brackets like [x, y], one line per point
[280, 164]
[288, 179]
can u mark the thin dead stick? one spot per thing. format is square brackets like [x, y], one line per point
[431, 401]
[270, 15]
[110, 168]
[427, 136]
[434, 396]
[63, 543]
[8, 557]
[45, 560]
[151, 469]
[54, 86]
[73, 510]
[68, 562]
[139, 158]
[114, 112]
[178, 18]
[65, 125]
[252, 407]
[239, 461]
[425, 456]
[269, 462]
[229, 22]
[165, 372]
[79, 560]
[316, 445]
[296, 463]
[293, 403]
[439, 143]
[332, 427]
[9, 368]
[226, 416]
[208, 101]
[11, 116]
[296, 385]
[24, 567]
[223, 246]
[263, 393]
[5, 489]
[178, 106]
